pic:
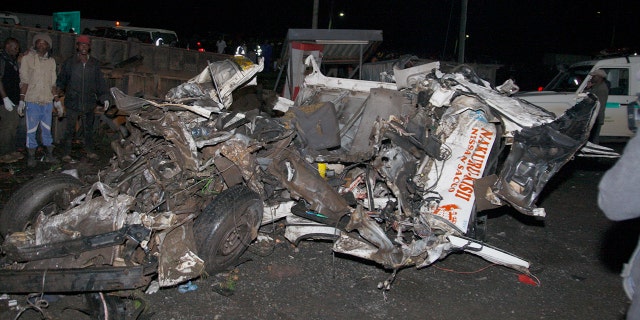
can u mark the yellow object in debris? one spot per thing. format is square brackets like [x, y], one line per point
[243, 62]
[322, 169]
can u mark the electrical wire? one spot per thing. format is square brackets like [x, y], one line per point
[527, 273]
[466, 272]
[39, 303]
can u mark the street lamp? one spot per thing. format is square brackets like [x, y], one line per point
[463, 31]
[340, 14]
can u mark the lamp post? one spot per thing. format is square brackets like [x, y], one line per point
[340, 14]
[314, 21]
[330, 15]
[463, 30]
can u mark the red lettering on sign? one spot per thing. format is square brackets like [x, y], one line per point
[471, 163]
[448, 211]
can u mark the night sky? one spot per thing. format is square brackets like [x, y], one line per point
[499, 31]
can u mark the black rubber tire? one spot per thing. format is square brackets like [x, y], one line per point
[49, 193]
[226, 227]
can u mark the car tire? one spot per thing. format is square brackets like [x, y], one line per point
[226, 227]
[48, 194]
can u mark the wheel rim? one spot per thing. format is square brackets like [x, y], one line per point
[48, 209]
[233, 240]
[237, 239]
[228, 236]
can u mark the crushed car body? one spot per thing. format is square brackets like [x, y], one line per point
[397, 173]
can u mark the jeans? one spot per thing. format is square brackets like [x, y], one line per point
[38, 115]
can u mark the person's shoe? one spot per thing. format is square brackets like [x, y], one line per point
[49, 157]
[92, 156]
[31, 158]
[68, 159]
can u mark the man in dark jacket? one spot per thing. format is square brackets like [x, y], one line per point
[598, 86]
[10, 94]
[83, 85]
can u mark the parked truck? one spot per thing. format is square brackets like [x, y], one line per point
[622, 115]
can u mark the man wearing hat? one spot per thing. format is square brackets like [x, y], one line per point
[598, 86]
[83, 85]
[37, 93]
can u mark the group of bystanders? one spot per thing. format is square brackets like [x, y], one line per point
[32, 87]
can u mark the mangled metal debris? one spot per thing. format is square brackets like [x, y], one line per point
[397, 173]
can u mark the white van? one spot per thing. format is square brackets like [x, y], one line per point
[9, 18]
[622, 115]
[159, 37]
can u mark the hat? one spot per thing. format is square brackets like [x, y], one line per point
[83, 39]
[41, 36]
[599, 73]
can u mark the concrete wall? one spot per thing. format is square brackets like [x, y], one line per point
[135, 68]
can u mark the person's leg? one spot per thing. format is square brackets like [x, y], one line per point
[33, 114]
[594, 135]
[70, 129]
[45, 123]
[47, 138]
[12, 122]
[7, 131]
[87, 121]
[21, 134]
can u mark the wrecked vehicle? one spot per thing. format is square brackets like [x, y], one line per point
[397, 173]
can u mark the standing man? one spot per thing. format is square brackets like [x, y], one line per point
[221, 44]
[83, 84]
[267, 53]
[598, 86]
[37, 91]
[10, 94]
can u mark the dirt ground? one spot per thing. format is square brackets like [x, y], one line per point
[575, 252]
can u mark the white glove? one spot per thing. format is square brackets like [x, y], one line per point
[59, 108]
[8, 104]
[106, 105]
[21, 107]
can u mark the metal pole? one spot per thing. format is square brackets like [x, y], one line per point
[463, 30]
[330, 14]
[360, 66]
[314, 22]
